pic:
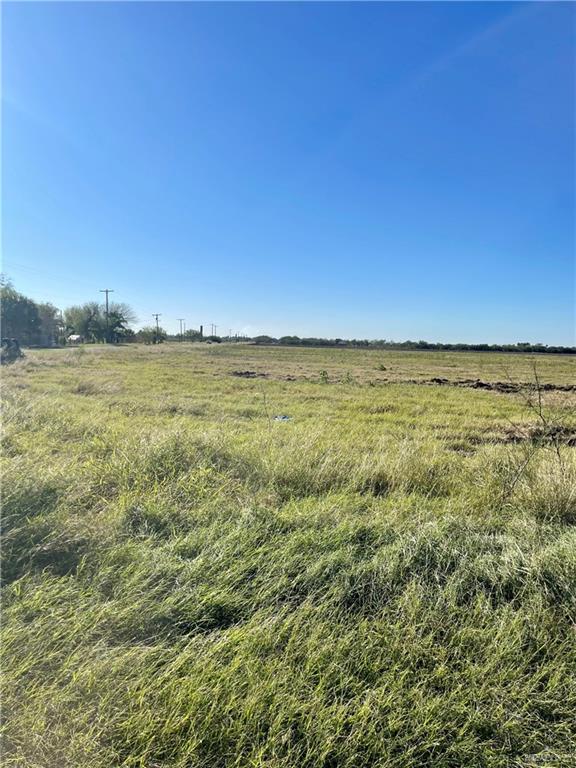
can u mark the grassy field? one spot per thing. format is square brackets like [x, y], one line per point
[385, 578]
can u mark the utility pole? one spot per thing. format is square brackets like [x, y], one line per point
[157, 315]
[107, 291]
[181, 320]
[215, 329]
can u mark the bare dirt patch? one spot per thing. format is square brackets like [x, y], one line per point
[496, 386]
[249, 374]
[534, 434]
[540, 433]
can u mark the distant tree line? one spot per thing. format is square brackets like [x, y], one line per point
[39, 324]
[296, 341]
[42, 324]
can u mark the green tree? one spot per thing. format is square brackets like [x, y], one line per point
[86, 320]
[51, 325]
[19, 316]
[119, 318]
[192, 335]
[89, 320]
[149, 335]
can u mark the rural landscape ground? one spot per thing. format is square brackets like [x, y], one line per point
[226, 555]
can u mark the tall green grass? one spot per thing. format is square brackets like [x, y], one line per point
[382, 581]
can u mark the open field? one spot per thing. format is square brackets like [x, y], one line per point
[387, 578]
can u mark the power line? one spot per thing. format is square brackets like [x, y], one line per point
[157, 315]
[107, 291]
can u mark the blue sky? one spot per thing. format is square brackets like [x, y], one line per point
[382, 170]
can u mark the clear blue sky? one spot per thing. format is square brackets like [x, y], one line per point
[390, 170]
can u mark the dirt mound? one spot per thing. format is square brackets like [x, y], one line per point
[498, 386]
[540, 433]
[249, 374]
